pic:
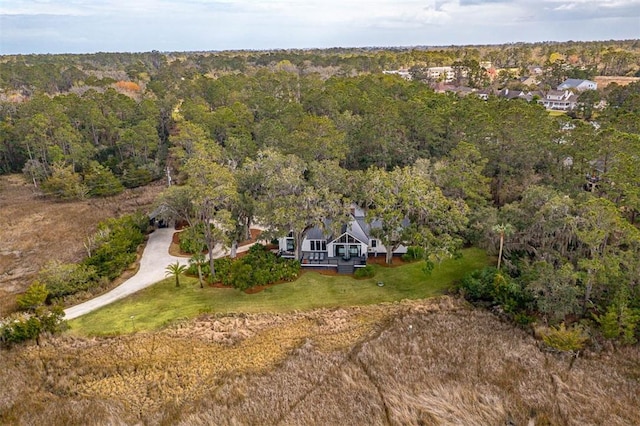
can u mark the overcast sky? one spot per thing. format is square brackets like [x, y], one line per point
[87, 26]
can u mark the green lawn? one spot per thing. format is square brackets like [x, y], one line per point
[163, 303]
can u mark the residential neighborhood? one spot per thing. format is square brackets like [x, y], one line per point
[563, 98]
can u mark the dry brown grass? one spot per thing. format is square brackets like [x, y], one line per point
[604, 81]
[35, 230]
[411, 363]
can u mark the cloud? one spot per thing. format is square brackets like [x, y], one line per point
[117, 25]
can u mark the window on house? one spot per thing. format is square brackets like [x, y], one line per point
[374, 243]
[318, 245]
[346, 238]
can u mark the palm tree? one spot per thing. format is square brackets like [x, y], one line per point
[502, 229]
[198, 259]
[175, 269]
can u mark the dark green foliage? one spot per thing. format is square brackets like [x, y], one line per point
[192, 239]
[366, 272]
[242, 276]
[100, 181]
[20, 328]
[258, 267]
[495, 287]
[413, 254]
[118, 249]
[478, 285]
[63, 279]
[223, 269]
[134, 177]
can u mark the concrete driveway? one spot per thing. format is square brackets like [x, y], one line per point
[153, 263]
[155, 258]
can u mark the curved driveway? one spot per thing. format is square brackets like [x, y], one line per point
[155, 258]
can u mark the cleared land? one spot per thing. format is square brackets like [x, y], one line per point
[436, 361]
[35, 230]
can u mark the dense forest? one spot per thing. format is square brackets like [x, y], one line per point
[291, 138]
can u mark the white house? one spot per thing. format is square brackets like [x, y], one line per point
[579, 85]
[562, 100]
[404, 73]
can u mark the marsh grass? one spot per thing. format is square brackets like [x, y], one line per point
[435, 361]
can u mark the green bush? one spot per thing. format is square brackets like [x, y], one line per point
[495, 287]
[100, 181]
[478, 285]
[619, 322]
[258, 267]
[134, 177]
[366, 272]
[565, 339]
[65, 184]
[63, 279]
[34, 297]
[192, 239]
[242, 276]
[413, 254]
[117, 249]
[18, 329]
[22, 327]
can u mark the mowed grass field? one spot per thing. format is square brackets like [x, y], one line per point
[164, 303]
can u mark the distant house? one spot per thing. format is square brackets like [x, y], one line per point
[463, 91]
[529, 80]
[343, 251]
[579, 85]
[561, 100]
[404, 73]
[515, 94]
[446, 74]
[535, 70]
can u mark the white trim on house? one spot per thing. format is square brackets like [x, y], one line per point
[354, 241]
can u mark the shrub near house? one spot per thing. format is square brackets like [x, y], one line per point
[257, 268]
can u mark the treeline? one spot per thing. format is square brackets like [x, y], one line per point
[92, 144]
[54, 74]
[293, 149]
